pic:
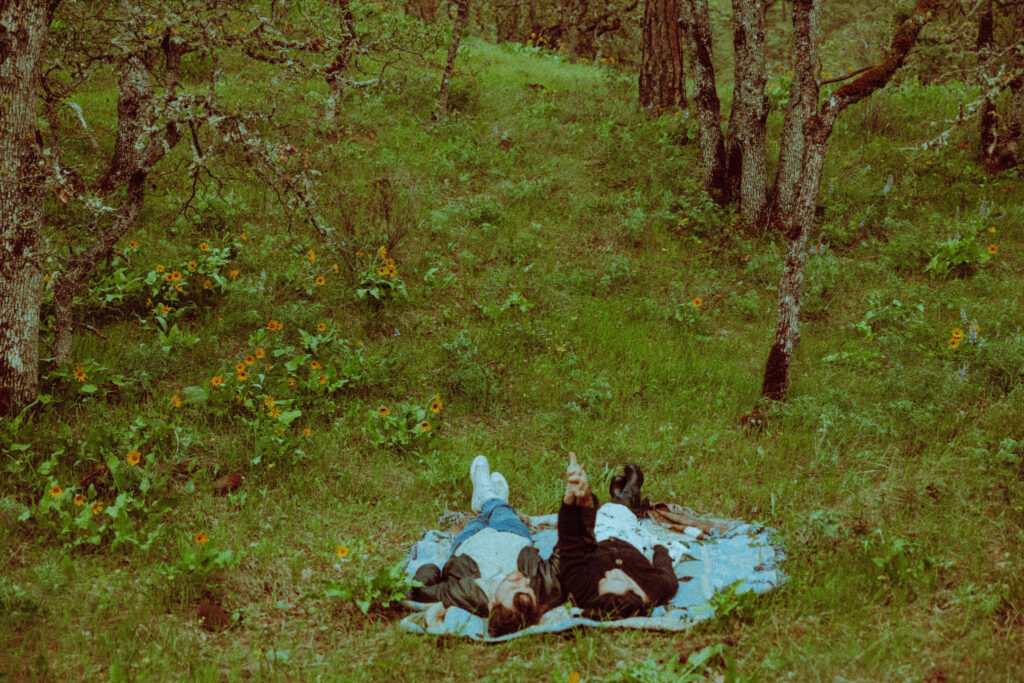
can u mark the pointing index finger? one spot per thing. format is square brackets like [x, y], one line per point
[572, 459]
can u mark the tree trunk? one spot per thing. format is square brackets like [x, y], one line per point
[508, 21]
[988, 121]
[461, 19]
[817, 127]
[24, 26]
[662, 80]
[803, 102]
[67, 284]
[426, 10]
[747, 163]
[574, 26]
[775, 384]
[1017, 87]
[336, 72]
[1000, 144]
[697, 27]
[134, 113]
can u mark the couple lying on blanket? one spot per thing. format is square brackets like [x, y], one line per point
[606, 578]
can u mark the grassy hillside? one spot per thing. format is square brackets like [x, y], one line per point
[568, 287]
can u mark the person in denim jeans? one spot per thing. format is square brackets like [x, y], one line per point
[476, 576]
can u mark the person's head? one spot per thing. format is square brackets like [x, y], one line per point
[513, 607]
[619, 596]
[618, 606]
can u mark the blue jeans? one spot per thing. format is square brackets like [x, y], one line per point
[497, 515]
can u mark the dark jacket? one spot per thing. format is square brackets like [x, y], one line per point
[584, 562]
[455, 585]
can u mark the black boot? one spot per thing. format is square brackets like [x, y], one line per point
[625, 490]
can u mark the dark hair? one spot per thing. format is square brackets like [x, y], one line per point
[523, 613]
[614, 606]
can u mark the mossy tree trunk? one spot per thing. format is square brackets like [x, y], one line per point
[139, 146]
[817, 124]
[575, 12]
[24, 28]
[746, 156]
[461, 20]
[336, 73]
[662, 79]
[803, 102]
[1000, 143]
[696, 20]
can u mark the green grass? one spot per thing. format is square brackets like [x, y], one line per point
[594, 216]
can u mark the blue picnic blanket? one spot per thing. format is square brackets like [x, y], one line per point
[741, 554]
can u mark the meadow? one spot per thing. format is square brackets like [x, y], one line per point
[268, 418]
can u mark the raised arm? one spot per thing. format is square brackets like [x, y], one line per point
[665, 582]
[576, 517]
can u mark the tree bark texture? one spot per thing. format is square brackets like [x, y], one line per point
[574, 26]
[803, 103]
[137, 150]
[24, 27]
[1000, 143]
[662, 79]
[461, 19]
[696, 20]
[508, 20]
[336, 72]
[1017, 84]
[817, 127]
[424, 9]
[747, 162]
[134, 112]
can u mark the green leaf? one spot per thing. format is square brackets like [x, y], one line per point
[88, 389]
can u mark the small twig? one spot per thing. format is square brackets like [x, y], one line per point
[91, 329]
[843, 78]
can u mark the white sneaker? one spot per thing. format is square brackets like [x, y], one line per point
[483, 489]
[499, 485]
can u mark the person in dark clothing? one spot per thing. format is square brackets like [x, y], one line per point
[610, 578]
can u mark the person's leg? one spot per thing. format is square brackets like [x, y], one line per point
[476, 524]
[498, 515]
[501, 517]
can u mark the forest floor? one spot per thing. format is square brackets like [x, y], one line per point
[567, 286]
